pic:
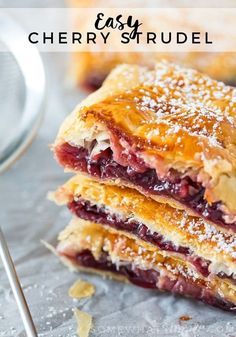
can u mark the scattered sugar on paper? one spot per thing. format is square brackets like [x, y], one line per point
[84, 322]
[81, 289]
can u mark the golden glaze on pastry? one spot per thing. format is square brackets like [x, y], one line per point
[119, 251]
[176, 226]
[175, 121]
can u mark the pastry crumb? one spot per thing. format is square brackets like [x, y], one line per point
[84, 322]
[81, 289]
[185, 318]
[49, 247]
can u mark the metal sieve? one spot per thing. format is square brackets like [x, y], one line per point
[22, 89]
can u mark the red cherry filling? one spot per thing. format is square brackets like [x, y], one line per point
[83, 209]
[182, 189]
[152, 279]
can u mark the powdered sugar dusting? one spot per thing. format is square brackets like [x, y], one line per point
[204, 231]
[145, 258]
[183, 99]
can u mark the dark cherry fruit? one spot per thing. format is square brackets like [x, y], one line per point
[83, 209]
[152, 279]
[183, 190]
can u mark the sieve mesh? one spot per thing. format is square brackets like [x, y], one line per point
[22, 84]
[12, 98]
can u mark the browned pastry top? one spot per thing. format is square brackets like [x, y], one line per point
[171, 118]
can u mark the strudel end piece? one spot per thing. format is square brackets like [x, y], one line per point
[88, 246]
[169, 133]
[88, 70]
[209, 251]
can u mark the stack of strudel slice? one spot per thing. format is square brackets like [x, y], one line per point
[154, 195]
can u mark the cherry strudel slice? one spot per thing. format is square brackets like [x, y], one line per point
[208, 250]
[169, 133]
[91, 247]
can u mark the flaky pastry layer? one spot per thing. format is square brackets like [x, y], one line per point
[169, 119]
[82, 236]
[176, 226]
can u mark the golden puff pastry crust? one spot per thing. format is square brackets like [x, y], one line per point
[115, 252]
[175, 121]
[203, 239]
